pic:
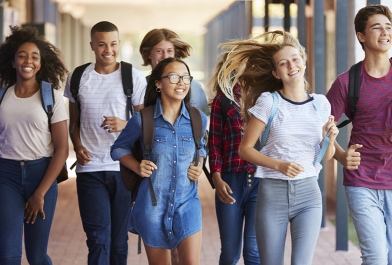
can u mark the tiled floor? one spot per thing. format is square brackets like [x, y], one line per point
[67, 242]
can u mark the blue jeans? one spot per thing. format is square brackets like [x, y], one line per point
[280, 202]
[18, 182]
[231, 218]
[104, 204]
[371, 211]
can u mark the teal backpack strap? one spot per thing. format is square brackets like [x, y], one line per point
[271, 117]
[326, 138]
[47, 98]
[2, 93]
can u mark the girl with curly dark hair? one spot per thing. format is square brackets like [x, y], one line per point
[33, 149]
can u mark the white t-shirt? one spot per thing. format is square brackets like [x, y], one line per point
[24, 129]
[295, 134]
[101, 95]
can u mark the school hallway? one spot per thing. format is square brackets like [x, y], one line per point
[67, 244]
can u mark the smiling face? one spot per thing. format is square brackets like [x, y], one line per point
[106, 47]
[173, 92]
[163, 50]
[27, 61]
[377, 34]
[289, 65]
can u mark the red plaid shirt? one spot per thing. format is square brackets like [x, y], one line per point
[224, 138]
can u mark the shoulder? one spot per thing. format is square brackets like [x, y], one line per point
[196, 85]
[265, 99]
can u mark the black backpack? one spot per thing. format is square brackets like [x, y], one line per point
[47, 98]
[354, 85]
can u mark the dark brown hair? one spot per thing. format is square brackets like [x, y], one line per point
[152, 95]
[52, 67]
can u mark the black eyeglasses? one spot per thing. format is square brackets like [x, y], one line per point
[175, 79]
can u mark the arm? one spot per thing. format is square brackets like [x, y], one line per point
[82, 154]
[349, 159]
[35, 204]
[332, 132]
[215, 143]
[249, 153]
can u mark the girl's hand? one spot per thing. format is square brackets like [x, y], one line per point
[33, 206]
[330, 129]
[223, 190]
[290, 169]
[195, 172]
[146, 168]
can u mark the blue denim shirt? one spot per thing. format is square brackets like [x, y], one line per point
[178, 213]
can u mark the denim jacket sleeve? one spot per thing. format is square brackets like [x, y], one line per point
[127, 138]
[203, 151]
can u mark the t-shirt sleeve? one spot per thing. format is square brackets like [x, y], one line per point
[262, 109]
[338, 97]
[139, 87]
[67, 90]
[59, 112]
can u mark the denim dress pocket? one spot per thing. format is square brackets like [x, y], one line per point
[188, 144]
[160, 145]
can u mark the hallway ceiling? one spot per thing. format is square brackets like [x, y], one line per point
[133, 16]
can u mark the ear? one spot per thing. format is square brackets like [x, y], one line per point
[275, 75]
[91, 45]
[158, 84]
[360, 37]
[13, 64]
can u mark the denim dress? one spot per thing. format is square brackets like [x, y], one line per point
[177, 214]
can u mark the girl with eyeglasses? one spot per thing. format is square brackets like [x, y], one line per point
[175, 222]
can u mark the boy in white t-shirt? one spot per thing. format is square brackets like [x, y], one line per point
[103, 200]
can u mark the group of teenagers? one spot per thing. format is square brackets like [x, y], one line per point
[262, 185]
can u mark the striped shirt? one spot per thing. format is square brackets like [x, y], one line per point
[99, 95]
[372, 127]
[295, 134]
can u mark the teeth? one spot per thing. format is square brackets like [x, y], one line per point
[27, 68]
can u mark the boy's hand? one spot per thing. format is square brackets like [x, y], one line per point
[352, 158]
[82, 156]
[113, 124]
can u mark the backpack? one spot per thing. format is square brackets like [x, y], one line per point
[127, 82]
[47, 97]
[354, 85]
[131, 179]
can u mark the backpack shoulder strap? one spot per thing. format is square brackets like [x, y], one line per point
[75, 80]
[197, 129]
[3, 90]
[47, 98]
[127, 82]
[225, 104]
[147, 115]
[271, 117]
[354, 85]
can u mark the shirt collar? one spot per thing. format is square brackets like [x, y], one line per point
[158, 110]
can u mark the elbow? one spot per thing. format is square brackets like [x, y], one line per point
[241, 151]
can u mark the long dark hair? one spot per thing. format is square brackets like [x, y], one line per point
[52, 69]
[151, 94]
